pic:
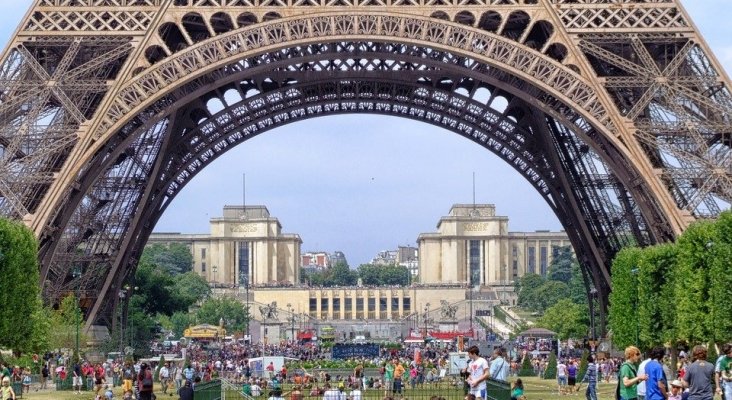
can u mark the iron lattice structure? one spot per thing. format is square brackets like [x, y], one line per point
[615, 111]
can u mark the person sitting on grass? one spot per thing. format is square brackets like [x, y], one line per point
[517, 390]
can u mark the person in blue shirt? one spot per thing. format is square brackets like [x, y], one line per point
[657, 382]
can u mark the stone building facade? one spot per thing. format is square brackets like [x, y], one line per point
[246, 246]
[474, 246]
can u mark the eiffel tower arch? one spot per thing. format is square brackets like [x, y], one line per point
[617, 112]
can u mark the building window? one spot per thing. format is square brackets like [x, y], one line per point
[372, 304]
[359, 304]
[407, 305]
[323, 305]
[336, 304]
[348, 305]
[203, 253]
[383, 304]
[395, 304]
[203, 266]
[531, 256]
[474, 254]
[313, 305]
[244, 263]
[543, 260]
[515, 268]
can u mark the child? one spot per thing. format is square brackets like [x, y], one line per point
[517, 390]
[127, 395]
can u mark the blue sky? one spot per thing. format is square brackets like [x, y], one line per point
[362, 184]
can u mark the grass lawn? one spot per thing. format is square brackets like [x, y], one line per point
[535, 389]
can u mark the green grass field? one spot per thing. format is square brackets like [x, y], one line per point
[535, 389]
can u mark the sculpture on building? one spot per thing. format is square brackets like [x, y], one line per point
[269, 311]
[447, 310]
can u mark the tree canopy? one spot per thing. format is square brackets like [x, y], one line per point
[174, 258]
[234, 314]
[21, 326]
[675, 292]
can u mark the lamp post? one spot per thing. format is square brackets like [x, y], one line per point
[129, 290]
[424, 318]
[245, 279]
[77, 309]
[634, 271]
[291, 318]
[593, 293]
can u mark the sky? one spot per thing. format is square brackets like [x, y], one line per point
[363, 184]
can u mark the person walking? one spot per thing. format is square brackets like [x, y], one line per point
[591, 379]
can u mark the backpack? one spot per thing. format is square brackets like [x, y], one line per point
[147, 381]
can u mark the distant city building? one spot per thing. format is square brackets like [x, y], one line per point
[338, 257]
[405, 256]
[315, 260]
[244, 247]
[318, 260]
[473, 246]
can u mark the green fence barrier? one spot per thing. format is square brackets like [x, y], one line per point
[498, 390]
[18, 389]
[208, 390]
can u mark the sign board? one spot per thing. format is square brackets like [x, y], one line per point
[342, 351]
[483, 313]
[458, 361]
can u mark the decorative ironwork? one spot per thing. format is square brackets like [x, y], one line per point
[615, 111]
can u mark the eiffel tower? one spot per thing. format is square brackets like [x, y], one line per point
[616, 111]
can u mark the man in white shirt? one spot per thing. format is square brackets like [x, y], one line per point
[641, 388]
[331, 393]
[478, 370]
[165, 377]
[561, 376]
[256, 389]
[355, 393]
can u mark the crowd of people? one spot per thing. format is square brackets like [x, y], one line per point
[398, 370]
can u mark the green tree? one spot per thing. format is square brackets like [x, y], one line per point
[235, 315]
[383, 275]
[560, 269]
[341, 275]
[192, 288]
[526, 368]
[19, 289]
[551, 367]
[720, 299]
[622, 318]
[180, 322]
[567, 319]
[64, 321]
[656, 311]
[694, 320]
[583, 366]
[526, 288]
[549, 294]
[175, 258]
[156, 292]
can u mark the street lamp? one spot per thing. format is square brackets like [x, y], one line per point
[245, 278]
[131, 331]
[426, 314]
[77, 310]
[593, 293]
[634, 271]
[291, 310]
